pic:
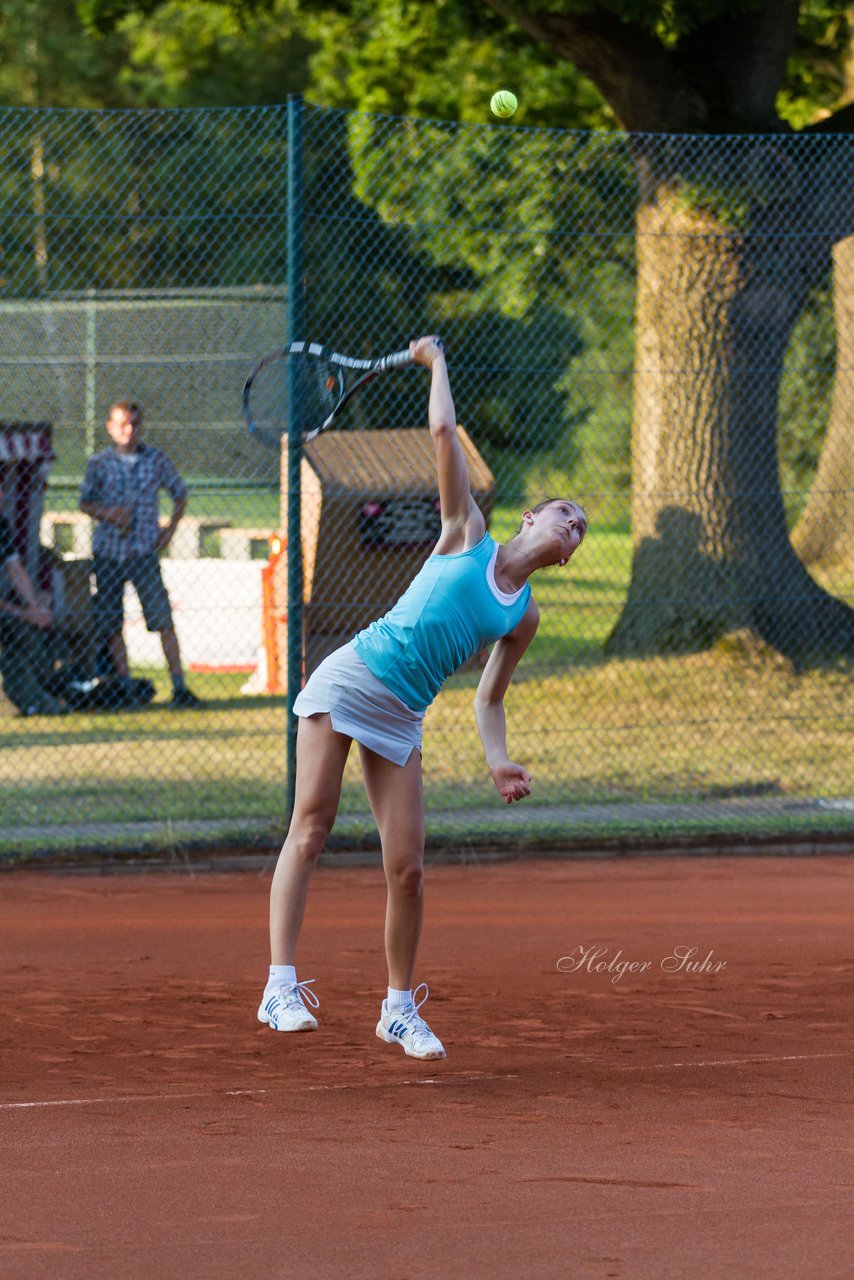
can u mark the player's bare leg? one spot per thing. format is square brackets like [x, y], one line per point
[321, 756]
[397, 802]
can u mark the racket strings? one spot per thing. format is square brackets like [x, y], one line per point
[301, 387]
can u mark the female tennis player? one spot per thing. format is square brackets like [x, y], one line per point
[470, 592]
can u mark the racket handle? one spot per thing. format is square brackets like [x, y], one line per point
[397, 360]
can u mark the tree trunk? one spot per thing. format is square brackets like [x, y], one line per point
[715, 310]
[824, 535]
[37, 173]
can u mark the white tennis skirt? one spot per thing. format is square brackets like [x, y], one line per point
[361, 706]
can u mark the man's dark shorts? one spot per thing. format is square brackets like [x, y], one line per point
[143, 572]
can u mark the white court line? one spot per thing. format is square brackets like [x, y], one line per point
[760, 1059]
[735, 1062]
[124, 1097]
[235, 1093]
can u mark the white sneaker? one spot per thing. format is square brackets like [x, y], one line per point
[409, 1029]
[282, 1007]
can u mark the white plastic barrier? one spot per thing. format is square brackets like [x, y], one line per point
[216, 605]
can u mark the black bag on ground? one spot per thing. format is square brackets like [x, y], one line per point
[109, 693]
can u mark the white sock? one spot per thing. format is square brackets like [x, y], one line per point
[282, 975]
[398, 1001]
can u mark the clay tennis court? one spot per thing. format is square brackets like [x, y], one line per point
[666, 1124]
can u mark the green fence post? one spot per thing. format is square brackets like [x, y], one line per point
[91, 374]
[294, 333]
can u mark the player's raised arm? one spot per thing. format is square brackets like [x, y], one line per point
[462, 522]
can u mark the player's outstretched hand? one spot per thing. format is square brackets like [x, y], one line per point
[512, 781]
[425, 350]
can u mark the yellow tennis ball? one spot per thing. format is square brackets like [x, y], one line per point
[503, 103]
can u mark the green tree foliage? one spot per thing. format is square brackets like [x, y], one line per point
[527, 294]
[167, 54]
[819, 78]
[207, 55]
[443, 61]
[127, 200]
[102, 201]
[428, 61]
[818, 70]
[50, 58]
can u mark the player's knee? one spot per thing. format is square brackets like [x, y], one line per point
[408, 879]
[308, 840]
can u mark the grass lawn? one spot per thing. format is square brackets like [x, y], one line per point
[722, 740]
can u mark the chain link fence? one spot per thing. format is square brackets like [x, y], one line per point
[658, 327]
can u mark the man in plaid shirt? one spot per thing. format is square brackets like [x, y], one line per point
[120, 492]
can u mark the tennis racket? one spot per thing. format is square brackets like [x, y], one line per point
[315, 382]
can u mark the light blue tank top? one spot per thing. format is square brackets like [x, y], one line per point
[450, 610]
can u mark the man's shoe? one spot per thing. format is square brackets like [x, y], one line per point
[186, 698]
[282, 1007]
[409, 1030]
